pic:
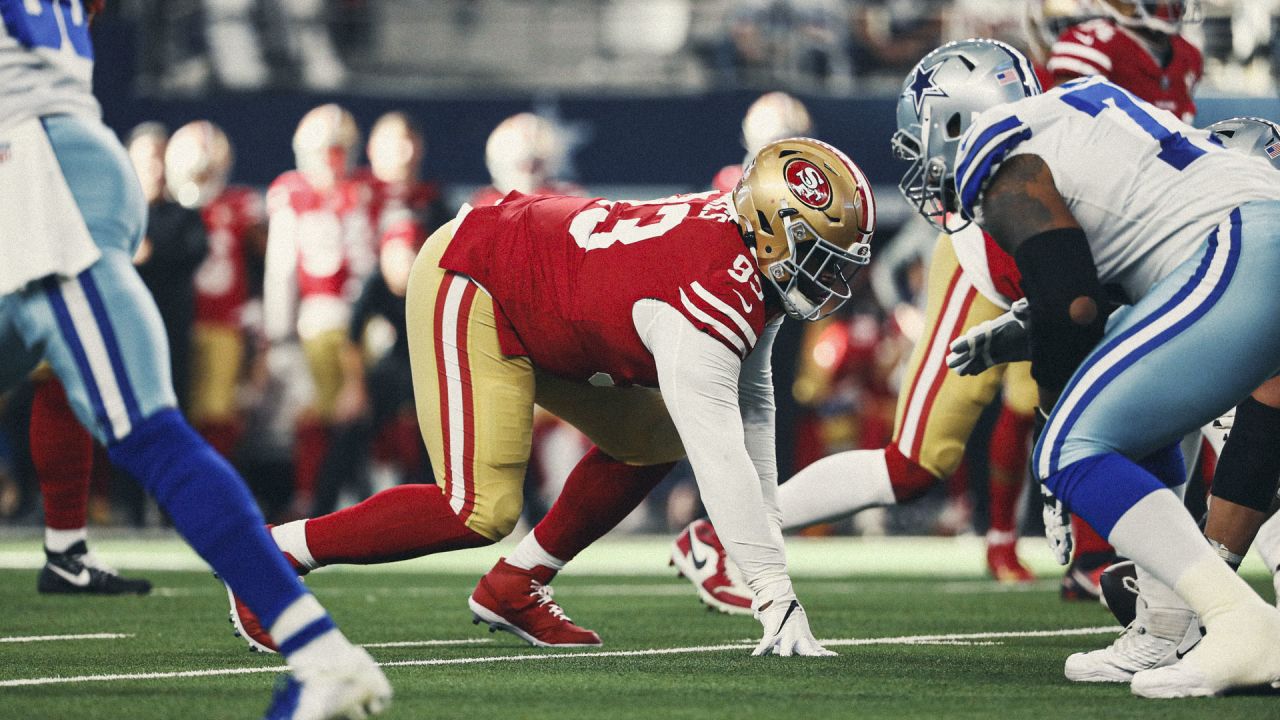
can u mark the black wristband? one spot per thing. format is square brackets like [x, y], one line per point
[1249, 467]
[1057, 268]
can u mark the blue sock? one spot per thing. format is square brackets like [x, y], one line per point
[211, 508]
[1167, 465]
[1102, 488]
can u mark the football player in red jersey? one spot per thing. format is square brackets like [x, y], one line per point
[1137, 46]
[646, 325]
[525, 153]
[318, 254]
[197, 165]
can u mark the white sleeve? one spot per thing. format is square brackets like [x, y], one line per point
[755, 396]
[699, 379]
[280, 285]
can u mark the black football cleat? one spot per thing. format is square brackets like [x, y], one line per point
[77, 571]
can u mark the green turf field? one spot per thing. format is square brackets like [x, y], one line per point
[912, 644]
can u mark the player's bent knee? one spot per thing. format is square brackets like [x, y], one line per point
[497, 516]
[908, 479]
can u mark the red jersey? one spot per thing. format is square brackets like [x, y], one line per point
[1101, 47]
[392, 204]
[992, 271]
[334, 253]
[220, 282]
[564, 273]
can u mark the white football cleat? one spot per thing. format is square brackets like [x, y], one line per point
[1240, 650]
[698, 556]
[351, 688]
[1154, 639]
[1267, 543]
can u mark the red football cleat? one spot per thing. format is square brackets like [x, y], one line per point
[699, 557]
[1083, 579]
[248, 628]
[1004, 565]
[519, 601]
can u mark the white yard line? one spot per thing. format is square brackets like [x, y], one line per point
[838, 642]
[427, 643]
[47, 638]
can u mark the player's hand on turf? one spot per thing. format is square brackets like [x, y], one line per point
[994, 342]
[786, 630]
[1057, 526]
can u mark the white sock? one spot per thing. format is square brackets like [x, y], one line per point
[1159, 535]
[835, 487]
[1267, 543]
[59, 541]
[323, 650]
[529, 554]
[291, 537]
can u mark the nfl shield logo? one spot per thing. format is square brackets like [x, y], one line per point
[1273, 150]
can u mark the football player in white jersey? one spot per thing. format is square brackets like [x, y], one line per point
[73, 216]
[1086, 185]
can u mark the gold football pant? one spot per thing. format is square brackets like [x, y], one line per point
[937, 408]
[215, 372]
[475, 405]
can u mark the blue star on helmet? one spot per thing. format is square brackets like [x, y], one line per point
[923, 86]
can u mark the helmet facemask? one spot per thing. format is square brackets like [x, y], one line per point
[1162, 16]
[928, 185]
[815, 278]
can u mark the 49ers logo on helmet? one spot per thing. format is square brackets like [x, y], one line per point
[808, 183]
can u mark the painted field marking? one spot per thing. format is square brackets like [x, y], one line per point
[48, 638]
[426, 643]
[837, 642]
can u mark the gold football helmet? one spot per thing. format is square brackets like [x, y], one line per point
[197, 163]
[324, 144]
[808, 213]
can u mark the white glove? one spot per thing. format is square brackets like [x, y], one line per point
[786, 630]
[1057, 526]
[994, 342]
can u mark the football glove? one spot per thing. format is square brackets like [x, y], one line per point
[1057, 526]
[786, 630]
[993, 342]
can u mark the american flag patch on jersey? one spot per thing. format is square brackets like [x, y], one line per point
[1273, 150]
[1006, 76]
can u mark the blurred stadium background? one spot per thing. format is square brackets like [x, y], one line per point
[645, 98]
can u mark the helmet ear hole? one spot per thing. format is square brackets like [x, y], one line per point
[764, 222]
[953, 126]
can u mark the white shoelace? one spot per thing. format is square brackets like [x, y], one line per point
[543, 593]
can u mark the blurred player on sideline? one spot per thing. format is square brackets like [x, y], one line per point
[649, 327]
[73, 218]
[319, 251]
[773, 116]
[1187, 229]
[526, 153]
[374, 405]
[197, 166]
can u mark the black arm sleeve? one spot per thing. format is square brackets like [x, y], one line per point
[1057, 268]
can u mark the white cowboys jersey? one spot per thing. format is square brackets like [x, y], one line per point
[1146, 188]
[46, 60]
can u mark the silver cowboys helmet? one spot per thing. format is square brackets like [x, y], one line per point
[940, 99]
[1250, 135]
